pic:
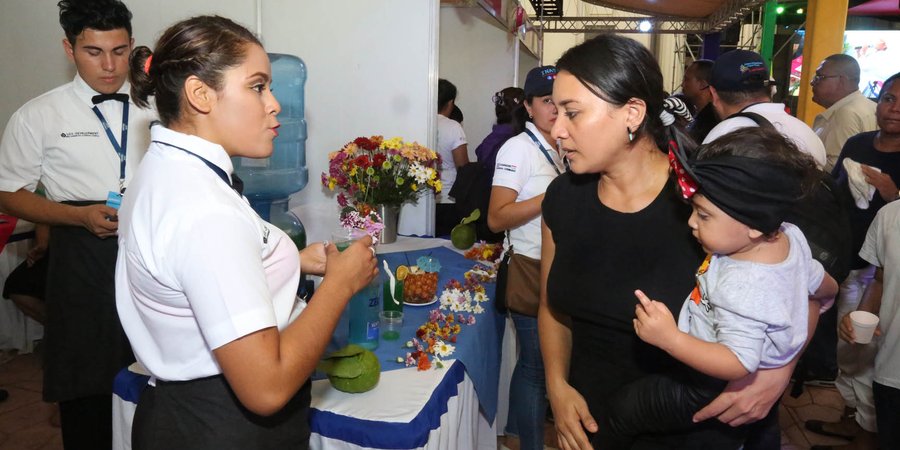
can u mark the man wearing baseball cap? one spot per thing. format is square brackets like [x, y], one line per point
[740, 83]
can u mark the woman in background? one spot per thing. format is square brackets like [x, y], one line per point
[205, 288]
[525, 165]
[506, 102]
[454, 152]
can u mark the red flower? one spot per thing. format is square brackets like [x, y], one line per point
[424, 363]
[365, 143]
[363, 161]
[379, 159]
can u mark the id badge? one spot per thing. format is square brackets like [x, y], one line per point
[114, 200]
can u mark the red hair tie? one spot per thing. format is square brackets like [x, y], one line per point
[687, 184]
[147, 64]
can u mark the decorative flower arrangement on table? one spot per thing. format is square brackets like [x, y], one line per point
[370, 171]
[364, 218]
[434, 340]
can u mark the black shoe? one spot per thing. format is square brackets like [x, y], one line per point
[4, 394]
[846, 429]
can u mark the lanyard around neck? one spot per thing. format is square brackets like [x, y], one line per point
[120, 148]
[543, 150]
[216, 169]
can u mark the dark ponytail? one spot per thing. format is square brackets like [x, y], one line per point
[141, 87]
[202, 46]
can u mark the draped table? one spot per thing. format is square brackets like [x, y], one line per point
[459, 406]
[17, 331]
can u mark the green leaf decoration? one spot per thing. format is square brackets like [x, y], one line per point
[472, 217]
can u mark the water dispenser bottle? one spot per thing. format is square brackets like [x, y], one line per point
[269, 182]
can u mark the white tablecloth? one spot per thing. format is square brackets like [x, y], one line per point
[16, 330]
[404, 400]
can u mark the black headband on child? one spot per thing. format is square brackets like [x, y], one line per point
[755, 192]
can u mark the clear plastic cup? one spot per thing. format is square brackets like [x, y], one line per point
[391, 325]
[864, 324]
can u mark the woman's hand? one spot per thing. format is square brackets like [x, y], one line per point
[354, 268]
[654, 323]
[312, 259]
[748, 399]
[571, 417]
[882, 182]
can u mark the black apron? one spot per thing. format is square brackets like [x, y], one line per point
[84, 343]
[205, 414]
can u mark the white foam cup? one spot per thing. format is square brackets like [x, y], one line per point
[864, 324]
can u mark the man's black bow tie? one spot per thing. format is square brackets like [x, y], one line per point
[104, 97]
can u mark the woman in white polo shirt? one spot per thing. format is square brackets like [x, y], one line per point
[526, 164]
[205, 288]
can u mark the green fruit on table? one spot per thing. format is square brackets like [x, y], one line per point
[352, 369]
[463, 235]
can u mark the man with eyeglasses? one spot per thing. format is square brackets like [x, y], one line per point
[835, 86]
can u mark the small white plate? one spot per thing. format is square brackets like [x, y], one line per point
[435, 299]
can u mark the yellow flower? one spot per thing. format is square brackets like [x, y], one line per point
[437, 186]
[353, 171]
[414, 187]
[331, 183]
[394, 143]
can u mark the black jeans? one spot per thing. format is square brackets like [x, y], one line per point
[887, 409]
[663, 404]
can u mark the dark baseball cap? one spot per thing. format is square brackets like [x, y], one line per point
[739, 70]
[539, 81]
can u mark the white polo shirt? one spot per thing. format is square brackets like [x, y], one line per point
[450, 135]
[847, 117]
[56, 139]
[197, 267]
[789, 126]
[522, 167]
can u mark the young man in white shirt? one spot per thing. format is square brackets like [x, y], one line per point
[81, 141]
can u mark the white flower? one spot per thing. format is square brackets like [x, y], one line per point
[477, 309]
[419, 172]
[480, 297]
[443, 349]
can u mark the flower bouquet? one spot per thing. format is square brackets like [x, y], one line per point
[375, 171]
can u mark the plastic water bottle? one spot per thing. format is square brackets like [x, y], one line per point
[365, 306]
[273, 179]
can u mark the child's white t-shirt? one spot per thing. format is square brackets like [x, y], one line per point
[759, 311]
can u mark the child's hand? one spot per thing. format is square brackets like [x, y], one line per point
[654, 324]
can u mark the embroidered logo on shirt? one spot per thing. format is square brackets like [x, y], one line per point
[507, 167]
[71, 134]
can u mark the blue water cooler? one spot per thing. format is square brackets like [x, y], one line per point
[269, 182]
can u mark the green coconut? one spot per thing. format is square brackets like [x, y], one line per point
[463, 235]
[352, 369]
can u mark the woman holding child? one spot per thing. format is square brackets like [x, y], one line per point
[614, 224]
